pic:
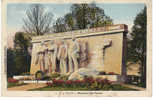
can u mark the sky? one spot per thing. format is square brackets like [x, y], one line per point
[121, 13]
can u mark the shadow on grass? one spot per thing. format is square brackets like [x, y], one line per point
[9, 85]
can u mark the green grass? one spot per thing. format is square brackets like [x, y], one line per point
[116, 87]
[138, 85]
[9, 85]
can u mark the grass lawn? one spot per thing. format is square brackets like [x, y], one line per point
[116, 87]
[9, 85]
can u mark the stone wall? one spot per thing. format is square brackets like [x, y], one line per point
[102, 48]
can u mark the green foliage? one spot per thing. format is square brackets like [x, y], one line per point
[81, 16]
[94, 85]
[64, 77]
[54, 75]
[115, 87]
[23, 61]
[13, 82]
[89, 82]
[137, 45]
[19, 59]
[22, 41]
[9, 85]
[18, 62]
[10, 62]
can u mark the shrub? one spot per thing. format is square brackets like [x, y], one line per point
[46, 78]
[49, 84]
[94, 85]
[69, 83]
[58, 82]
[64, 77]
[80, 83]
[103, 82]
[11, 80]
[54, 75]
[88, 82]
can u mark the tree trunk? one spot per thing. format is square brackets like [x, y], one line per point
[143, 72]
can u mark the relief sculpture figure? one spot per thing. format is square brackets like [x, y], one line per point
[47, 61]
[50, 53]
[62, 56]
[53, 55]
[73, 53]
[40, 60]
[40, 57]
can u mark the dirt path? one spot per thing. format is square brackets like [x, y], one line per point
[27, 87]
[133, 87]
[40, 85]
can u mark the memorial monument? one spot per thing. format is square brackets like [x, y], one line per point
[102, 49]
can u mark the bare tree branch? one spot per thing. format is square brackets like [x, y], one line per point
[37, 20]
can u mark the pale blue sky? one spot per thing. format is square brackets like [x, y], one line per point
[120, 13]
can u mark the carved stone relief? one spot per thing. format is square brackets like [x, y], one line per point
[62, 56]
[73, 53]
[70, 56]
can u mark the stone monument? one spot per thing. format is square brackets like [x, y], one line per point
[100, 49]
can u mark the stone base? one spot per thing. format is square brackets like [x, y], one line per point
[35, 81]
[24, 77]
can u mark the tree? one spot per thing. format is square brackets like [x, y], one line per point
[22, 41]
[37, 20]
[22, 62]
[137, 46]
[10, 62]
[17, 62]
[83, 16]
[59, 25]
[22, 57]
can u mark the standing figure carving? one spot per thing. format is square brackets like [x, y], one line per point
[73, 53]
[40, 60]
[62, 56]
[47, 61]
[40, 57]
[53, 55]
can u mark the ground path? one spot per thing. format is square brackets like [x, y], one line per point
[133, 87]
[41, 85]
[27, 87]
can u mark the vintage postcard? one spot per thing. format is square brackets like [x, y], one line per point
[67, 48]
